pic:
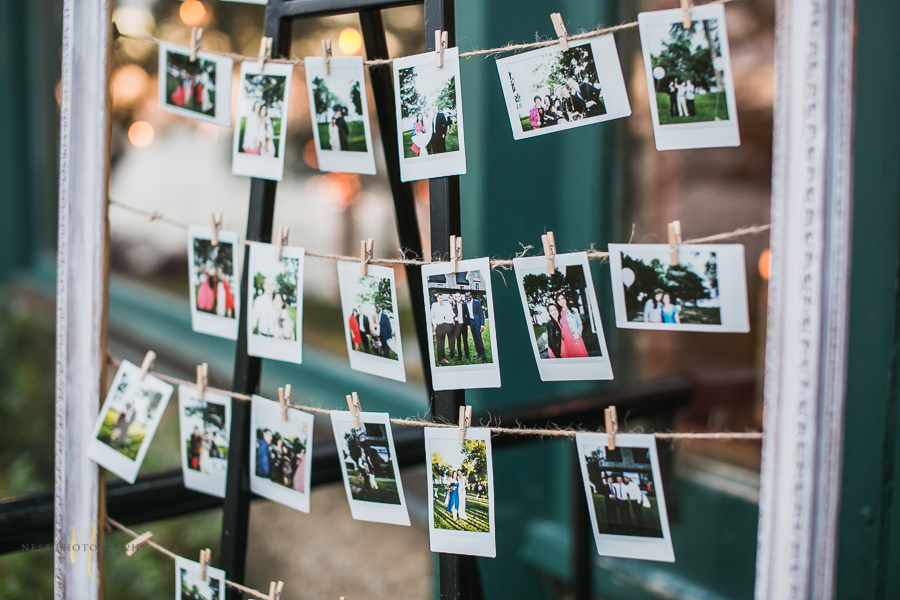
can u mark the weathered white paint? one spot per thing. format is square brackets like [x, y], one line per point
[81, 291]
[805, 347]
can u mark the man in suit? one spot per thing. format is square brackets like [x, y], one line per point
[385, 331]
[622, 502]
[439, 125]
[475, 313]
[586, 98]
[365, 329]
[635, 501]
[343, 129]
[442, 321]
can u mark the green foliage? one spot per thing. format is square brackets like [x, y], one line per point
[577, 62]
[220, 256]
[477, 511]
[475, 461]
[682, 60]
[446, 99]
[410, 100]
[323, 97]
[356, 98]
[377, 290]
[212, 414]
[707, 107]
[541, 289]
[439, 467]
[356, 139]
[268, 88]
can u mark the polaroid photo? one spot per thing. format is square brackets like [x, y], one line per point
[275, 293]
[462, 336]
[340, 114]
[188, 585]
[460, 492]
[549, 90]
[205, 425]
[369, 466]
[689, 71]
[371, 320]
[281, 458]
[262, 117]
[199, 89]
[214, 273]
[563, 318]
[128, 420]
[429, 116]
[625, 496]
[705, 291]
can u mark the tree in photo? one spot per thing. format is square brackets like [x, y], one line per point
[219, 256]
[411, 102]
[323, 97]
[446, 96]
[356, 98]
[268, 88]
[577, 63]
[211, 413]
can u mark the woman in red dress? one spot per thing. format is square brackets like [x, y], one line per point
[354, 330]
[572, 327]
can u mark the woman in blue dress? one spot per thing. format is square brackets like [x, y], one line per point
[453, 496]
[670, 311]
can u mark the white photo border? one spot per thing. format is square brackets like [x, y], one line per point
[609, 73]
[194, 568]
[683, 136]
[625, 546]
[214, 485]
[565, 369]
[224, 73]
[463, 377]
[732, 279]
[445, 165]
[470, 543]
[341, 162]
[106, 456]
[262, 346]
[264, 408]
[202, 322]
[362, 510]
[361, 361]
[246, 165]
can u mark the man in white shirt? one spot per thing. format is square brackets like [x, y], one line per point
[263, 315]
[442, 321]
[621, 493]
[635, 500]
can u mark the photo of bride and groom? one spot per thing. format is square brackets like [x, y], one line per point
[460, 490]
[273, 308]
[339, 114]
[262, 117]
[205, 426]
[428, 111]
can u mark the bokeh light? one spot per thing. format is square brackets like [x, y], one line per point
[192, 13]
[141, 134]
[128, 85]
[349, 41]
[309, 154]
[765, 264]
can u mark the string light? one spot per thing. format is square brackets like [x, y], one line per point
[192, 13]
[350, 41]
[141, 134]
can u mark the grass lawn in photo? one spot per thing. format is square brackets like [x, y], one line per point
[452, 143]
[276, 129]
[172, 84]
[689, 314]
[705, 108]
[356, 140]
[391, 354]
[385, 494]
[599, 110]
[132, 438]
[292, 311]
[477, 512]
[470, 360]
[652, 527]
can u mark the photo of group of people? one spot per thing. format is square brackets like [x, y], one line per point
[460, 308]
[281, 455]
[213, 290]
[262, 109]
[429, 116]
[275, 294]
[369, 468]
[625, 497]
[551, 89]
[371, 323]
[689, 73]
[704, 291]
[460, 489]
[340, 114]
[199, 89]
[205, 424]
[189, 586]
[128, 420]
[563, 316]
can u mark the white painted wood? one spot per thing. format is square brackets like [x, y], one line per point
[805, 346]
[81, 291]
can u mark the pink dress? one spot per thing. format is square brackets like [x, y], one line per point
[206, 297]
[535, 116]
[300, 475]
[419, 128]
[571, 348]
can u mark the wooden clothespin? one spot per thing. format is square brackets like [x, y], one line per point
[205, 556]
[465, 419]
[202, 379]
[149, 358]
[612, 426]
[215, 220]
[561, 32]
[686, 14]
[455, 251]
[137, 542]
[366, 248]
[674, 229]
[275, 590]
[441, 39]
[281, 240]
[196, 35]
[326, 56]
[355, 409]
[265, 51]
[284, 399]
[549, 243]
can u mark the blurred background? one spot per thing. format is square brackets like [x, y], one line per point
[589, 185]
